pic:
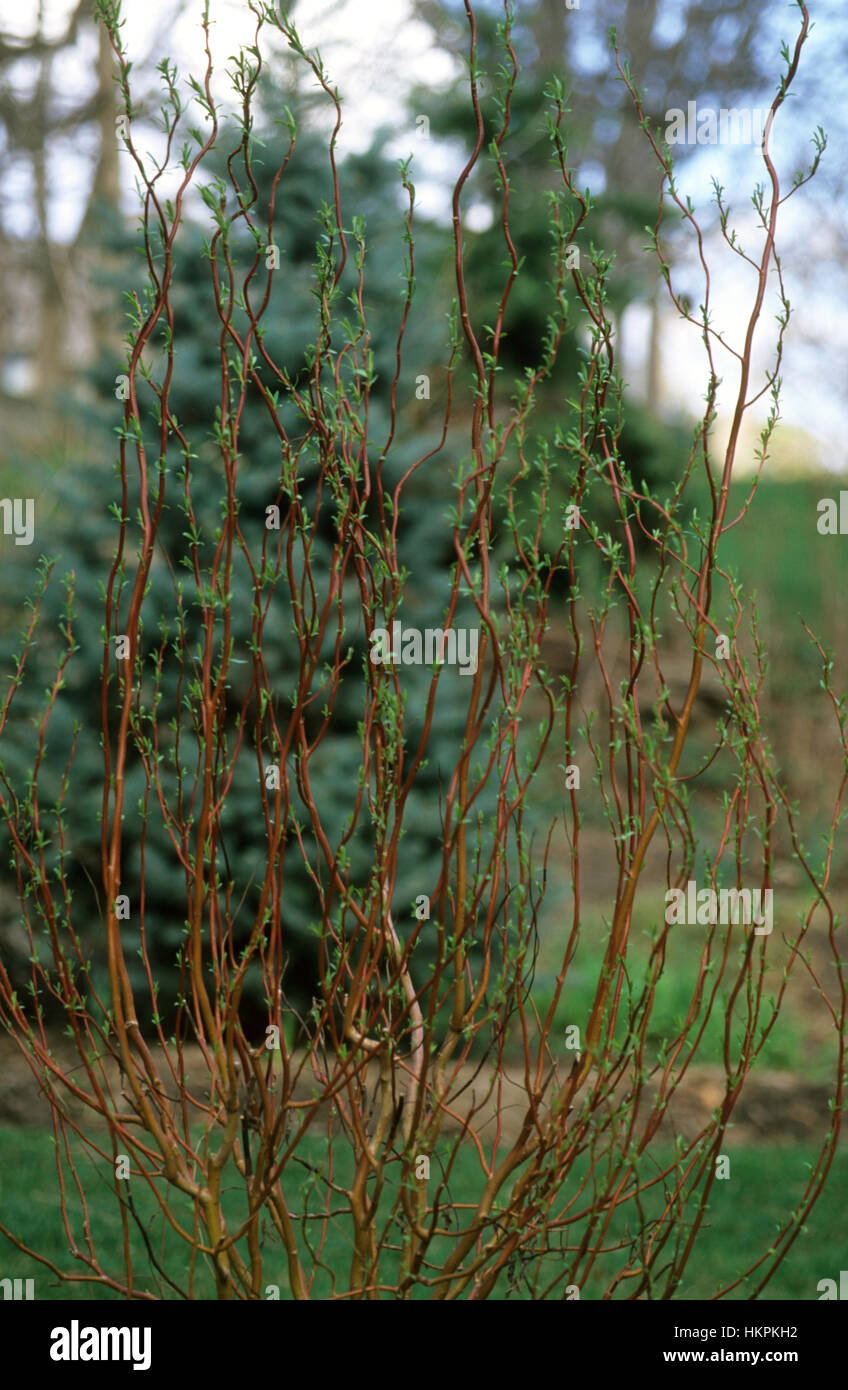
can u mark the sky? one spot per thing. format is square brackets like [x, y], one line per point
[375, 50]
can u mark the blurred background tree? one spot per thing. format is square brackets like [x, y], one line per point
[82, 533]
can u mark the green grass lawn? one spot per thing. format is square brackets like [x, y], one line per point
[787, 1047]
[745, 1211]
